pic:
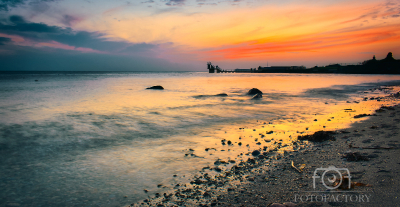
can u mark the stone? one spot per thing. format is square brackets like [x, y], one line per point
[156, 87]
[318, 136]
[254, 91]
[255, 153]
[277, 205]
[354, 156]
[289, 204]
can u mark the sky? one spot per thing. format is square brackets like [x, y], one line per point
[183, 35]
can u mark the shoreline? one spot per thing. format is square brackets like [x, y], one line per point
[268, 177]
[376, 139]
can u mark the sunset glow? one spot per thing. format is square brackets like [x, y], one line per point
[184, 32]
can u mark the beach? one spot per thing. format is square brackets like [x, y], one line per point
[104, 139]
[368, 148]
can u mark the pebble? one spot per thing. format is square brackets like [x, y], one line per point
[255, 153]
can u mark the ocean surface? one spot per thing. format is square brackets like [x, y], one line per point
[101, 138]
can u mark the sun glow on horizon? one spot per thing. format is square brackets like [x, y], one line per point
[241, 31]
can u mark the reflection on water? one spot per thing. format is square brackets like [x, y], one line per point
[100, 139]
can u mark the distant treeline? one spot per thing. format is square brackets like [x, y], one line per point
[389, 65]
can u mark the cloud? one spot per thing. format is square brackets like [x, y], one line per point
[27, 46]
[39, 32]
[141, 47]
[6, 5]
[175, 2]
[4, 40]
[69, 20]
[19, 25]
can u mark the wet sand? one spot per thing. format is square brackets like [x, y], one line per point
[267, 177]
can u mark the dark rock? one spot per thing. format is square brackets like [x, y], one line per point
[373, 156]
[240, 144]
[277, 205]
[156, 88]
[361, 115]
[367, 140]
[252, 161]
[221, 94]
[217, 169]
[289, 204]
[354, 156]
[36, 80]
[270, 132]
[229, 142]
[254, 91]
[255, 153]
[318, 136]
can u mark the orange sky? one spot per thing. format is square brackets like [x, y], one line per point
[244, 33]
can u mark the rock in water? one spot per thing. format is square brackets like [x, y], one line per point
[221, 94]
[156, 88]
[254, 91]
[257, 96]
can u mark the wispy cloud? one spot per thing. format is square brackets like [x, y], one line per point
[40, 35]
[6, 5]
[175, 2]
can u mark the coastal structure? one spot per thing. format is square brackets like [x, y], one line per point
[279, 69]
[389, 65]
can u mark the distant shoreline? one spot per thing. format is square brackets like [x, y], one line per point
[389, 65]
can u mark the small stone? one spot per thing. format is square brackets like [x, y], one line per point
[254, 91]
[289, 204]
[277, 205]
[156, 87]
[255, 153]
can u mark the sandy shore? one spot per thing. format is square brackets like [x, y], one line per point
[270, 177]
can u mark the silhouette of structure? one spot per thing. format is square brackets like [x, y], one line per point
[389, 65]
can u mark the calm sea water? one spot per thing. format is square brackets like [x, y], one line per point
[100, 139]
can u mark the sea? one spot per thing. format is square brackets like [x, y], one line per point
[103, 139]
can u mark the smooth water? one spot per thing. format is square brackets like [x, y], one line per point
[100, 139]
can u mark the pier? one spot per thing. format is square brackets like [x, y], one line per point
[216, 69]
